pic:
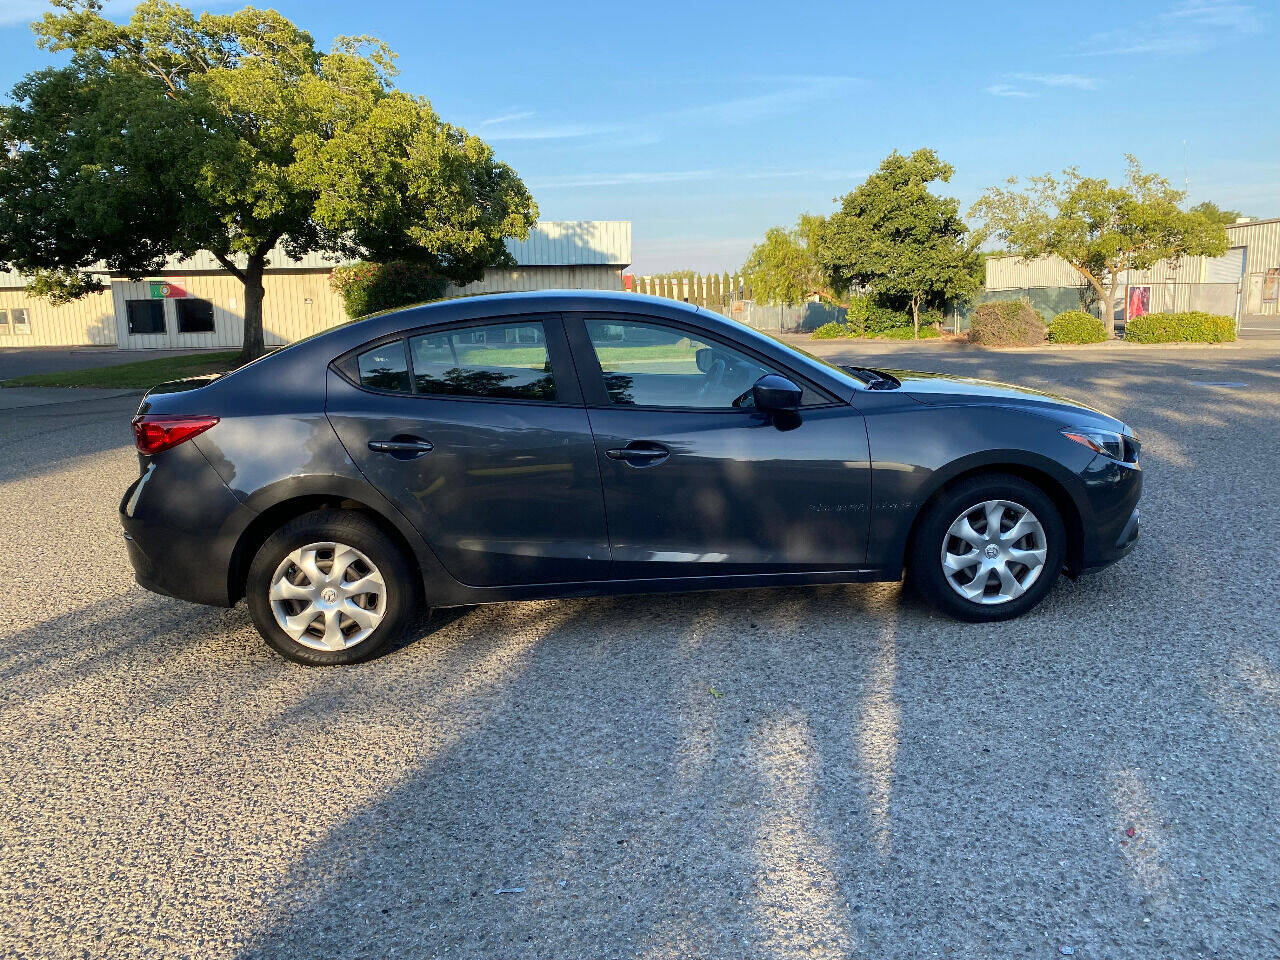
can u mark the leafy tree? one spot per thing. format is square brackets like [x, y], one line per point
[1100, 229]
[895, 238]
[230, 132]
[784, 267]
[1209, 209]
[367, 288]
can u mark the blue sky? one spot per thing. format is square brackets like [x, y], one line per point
[704, 124]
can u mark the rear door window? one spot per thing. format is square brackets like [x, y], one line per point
[500, 361]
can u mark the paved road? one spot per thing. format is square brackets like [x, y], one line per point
[19, 361]
[796, 773]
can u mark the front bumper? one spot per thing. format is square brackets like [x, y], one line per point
[1110, 534]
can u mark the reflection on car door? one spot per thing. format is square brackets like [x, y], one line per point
[696, 482]
[478, 434]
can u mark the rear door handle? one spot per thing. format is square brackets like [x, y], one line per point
[402, 449]
[639, 453]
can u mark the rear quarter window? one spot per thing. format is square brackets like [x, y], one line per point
[384, 368]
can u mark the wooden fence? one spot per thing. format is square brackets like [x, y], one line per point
[715, 291]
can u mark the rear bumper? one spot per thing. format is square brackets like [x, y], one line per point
[179, 520]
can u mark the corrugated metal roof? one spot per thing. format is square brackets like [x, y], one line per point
[551, 243]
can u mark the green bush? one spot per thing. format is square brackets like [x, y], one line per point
[1191, 327]
[1076, 326]
[928, 331]
[1006, 323]
[838, 331]
[368, 288]
[832, 331]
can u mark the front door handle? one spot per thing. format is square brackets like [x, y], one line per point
[639, 453]
[402, 449]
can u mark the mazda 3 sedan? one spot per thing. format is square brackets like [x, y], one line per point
[577, 443]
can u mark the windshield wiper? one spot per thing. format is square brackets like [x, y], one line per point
[874, 379]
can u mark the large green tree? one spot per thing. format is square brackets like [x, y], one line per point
[898, 239]
[1098, 228]
[892, 238]
[1216, 213]
[784, 266]
[176, 132]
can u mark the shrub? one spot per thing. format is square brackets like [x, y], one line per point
[1076, 326]
[832, 331]
[1191, 327]
[867, 318]
[1006, 323]
[367, 288]
[928, 331]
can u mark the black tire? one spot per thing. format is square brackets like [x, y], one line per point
[925, 559]
[337, 526]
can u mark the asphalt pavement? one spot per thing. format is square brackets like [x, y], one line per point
[20, 361]
[819, 772]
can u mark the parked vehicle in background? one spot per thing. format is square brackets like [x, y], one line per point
[581, 443]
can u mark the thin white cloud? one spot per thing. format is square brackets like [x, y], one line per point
[553, 131]
[1021, 85]
[509, 118]
[588, 180]
[1008, 90]
[1074, 80]
[1189, 26]
[619, 179]
[789, 94]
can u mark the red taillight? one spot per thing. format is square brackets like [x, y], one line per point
[153, 432]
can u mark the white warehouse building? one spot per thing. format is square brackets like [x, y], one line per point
[1244, 282]
[194, 302]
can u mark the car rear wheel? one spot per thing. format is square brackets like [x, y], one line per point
[330, 587]
[989, 549]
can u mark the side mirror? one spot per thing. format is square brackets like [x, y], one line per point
[775, 394]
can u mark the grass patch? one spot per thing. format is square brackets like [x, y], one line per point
[140, 375]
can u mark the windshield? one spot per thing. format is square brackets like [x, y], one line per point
[841, 373]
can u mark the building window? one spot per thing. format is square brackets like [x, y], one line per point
[145, 316]
[194, 315]
[21, 324]
[4, 322]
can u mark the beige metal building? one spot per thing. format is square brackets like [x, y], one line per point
[1244, 282]
[196, 303]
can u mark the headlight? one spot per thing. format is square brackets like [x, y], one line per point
[1117, 446]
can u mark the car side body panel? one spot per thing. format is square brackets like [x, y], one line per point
[916, 449]
[194, 506]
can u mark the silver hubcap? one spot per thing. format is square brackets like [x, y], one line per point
[328, 596]
[994, 552]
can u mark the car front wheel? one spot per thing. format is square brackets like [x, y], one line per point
[330, 587]
[989, 549]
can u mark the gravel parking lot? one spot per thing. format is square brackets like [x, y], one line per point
[820, 772]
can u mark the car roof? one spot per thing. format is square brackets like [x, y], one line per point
[339, 340]
[534, 301]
